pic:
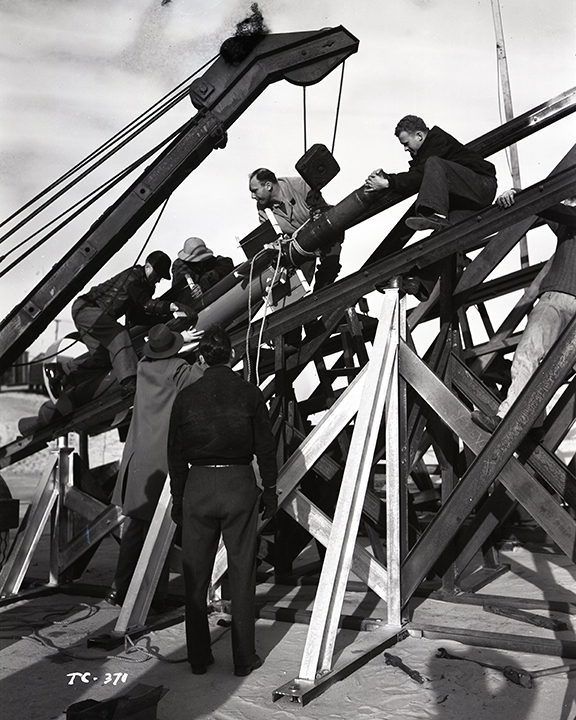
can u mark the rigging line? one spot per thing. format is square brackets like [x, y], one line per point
[82, 176]
[41, 360]
[59, 352]
[97, 193]
[338, 107]
[304, 113]
[266, 306]
[110, 141]
[152, 230]
[249, 318]
[77, 179]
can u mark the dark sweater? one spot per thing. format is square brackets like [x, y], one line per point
[220, 419]
[205, 273]
[438, 143]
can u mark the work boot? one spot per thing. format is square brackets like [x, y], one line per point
[201, 668]
[427, 222]
[243, 670]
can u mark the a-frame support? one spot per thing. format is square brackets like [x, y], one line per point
[380, 388]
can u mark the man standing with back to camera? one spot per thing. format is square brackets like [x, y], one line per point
[217, 425]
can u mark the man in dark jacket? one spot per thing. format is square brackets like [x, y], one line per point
[447, 175]
[217, 425]
[128, 293]
[197, 269]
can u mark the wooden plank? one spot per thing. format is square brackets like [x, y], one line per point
[500, 641]
[496, 460]
[150, 563]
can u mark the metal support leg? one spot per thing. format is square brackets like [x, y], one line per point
[394, 482]
[62, 530]
[319, 647]
[317, 659]
[30, 531]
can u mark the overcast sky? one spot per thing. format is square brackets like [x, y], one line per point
[73, 74]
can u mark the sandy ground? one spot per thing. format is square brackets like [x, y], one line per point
[43, 641]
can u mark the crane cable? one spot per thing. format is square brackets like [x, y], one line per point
[88, 200]
[128, 133]
[267, 303]
[304, 111]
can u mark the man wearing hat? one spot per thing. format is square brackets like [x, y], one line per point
[217, 426]
[96, 316]
[197, 269]
[144, 465]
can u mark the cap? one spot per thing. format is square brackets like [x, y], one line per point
[160, 262]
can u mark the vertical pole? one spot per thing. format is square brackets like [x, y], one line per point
[393, 488]
[508, 111]
[61, 529]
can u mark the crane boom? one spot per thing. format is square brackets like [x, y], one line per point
[221, 95]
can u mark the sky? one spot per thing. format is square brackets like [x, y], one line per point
[73, 74]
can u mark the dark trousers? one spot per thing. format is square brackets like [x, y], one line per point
[134, 533]
[448, 186]
[220, 500]
[107, 340]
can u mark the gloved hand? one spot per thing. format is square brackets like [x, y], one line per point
[192, 315]
[176, 511]
[268, 502]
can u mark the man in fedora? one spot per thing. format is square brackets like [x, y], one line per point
[144, 465]
[197, 269]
